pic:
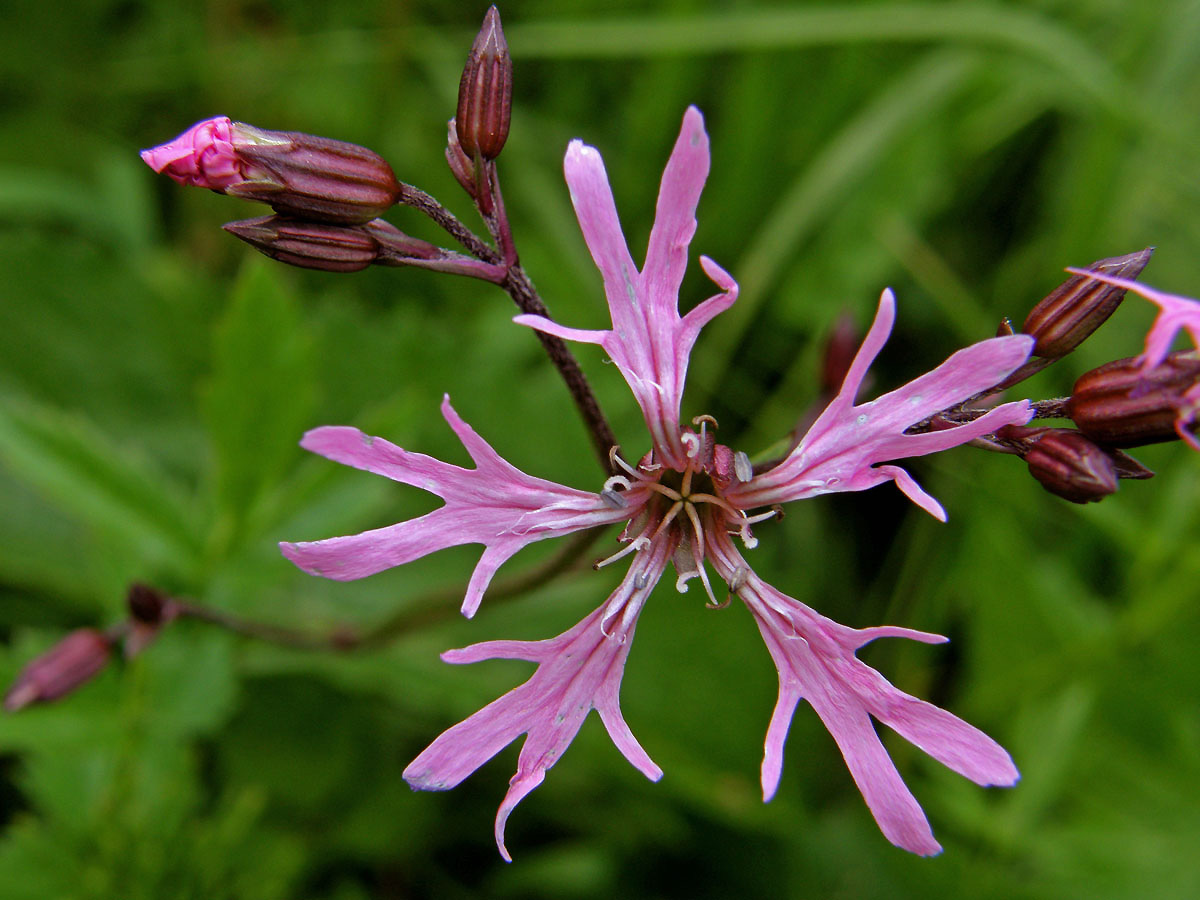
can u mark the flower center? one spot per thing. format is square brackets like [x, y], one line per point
[689, 506]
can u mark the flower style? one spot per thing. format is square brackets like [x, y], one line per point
[683, 502]
[1176, 314]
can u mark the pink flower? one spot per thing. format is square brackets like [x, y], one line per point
[1176, 314]
[683, 502]
[203, 156]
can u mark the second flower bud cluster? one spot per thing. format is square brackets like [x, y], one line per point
[1126, 403]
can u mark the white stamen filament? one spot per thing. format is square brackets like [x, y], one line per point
[664, 490]
[717, 501]
[668, 518]
[640, 542]
[698, 553]
[615, 458]
[761, 517]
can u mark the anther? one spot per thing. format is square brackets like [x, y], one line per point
[693, 443]
[740, 576]
[609, 492]
[614, 481]
[612, 499]
[743, 471]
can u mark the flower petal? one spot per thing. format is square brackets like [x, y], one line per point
[494, 504]
[578, 671]
[815, 658]
[202, 156]
[649, 342]
[675, 214]
[596, 211]
[842, 449]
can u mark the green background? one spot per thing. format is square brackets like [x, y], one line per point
[156, 374]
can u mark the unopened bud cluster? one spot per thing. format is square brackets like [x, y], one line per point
[328, 195]
[84, 653]
[1125, 403]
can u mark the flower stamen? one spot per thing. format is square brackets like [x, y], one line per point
[692, 442]
[665, 491]
[640, 542]
[698, 554]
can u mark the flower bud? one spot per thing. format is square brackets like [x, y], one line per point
[485, 92]
[333, 248]
[310, 245]
[1080, 305]
[1121, 404]
[460, 164]
[297, 174]
[70, 663]
[149, 610]
[148, 605]
[1068, 464]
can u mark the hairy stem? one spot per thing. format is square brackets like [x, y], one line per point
[436, 606]
[518, 286]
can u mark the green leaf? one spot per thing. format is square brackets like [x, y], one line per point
[112, 489]
[261, 392]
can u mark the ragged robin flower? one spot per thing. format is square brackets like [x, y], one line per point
[688, 502]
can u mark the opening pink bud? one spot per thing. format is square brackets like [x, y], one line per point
[202, 156]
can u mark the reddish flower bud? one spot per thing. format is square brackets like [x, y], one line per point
[70, 663]
[333, 248]
[485, 92]
[1070, 465]
[297, 174]
[460, 164]
[1123, 405]
[310, 245]
[1080, 305]
[149, 610]
[147, 604]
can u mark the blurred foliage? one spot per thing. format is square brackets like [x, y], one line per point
[155, 376]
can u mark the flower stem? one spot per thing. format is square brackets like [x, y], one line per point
[518, 286]
[437, 606]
